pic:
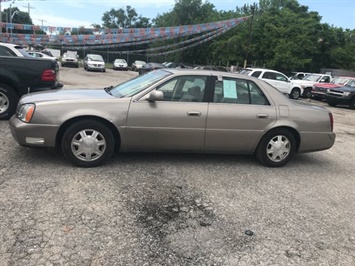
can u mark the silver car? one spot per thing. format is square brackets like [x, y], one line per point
[174, 110]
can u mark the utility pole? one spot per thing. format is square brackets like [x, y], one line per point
[29, 8]
[0, 8]
[253, 7]
[42, 20]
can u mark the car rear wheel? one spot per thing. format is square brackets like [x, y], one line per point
[276, 148]
[295, 93]
[88, 143]
[8, 101]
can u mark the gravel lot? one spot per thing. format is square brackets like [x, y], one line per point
[176, 209]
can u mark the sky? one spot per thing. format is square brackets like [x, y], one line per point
[76, 13]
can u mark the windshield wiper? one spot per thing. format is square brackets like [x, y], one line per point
[108, 89]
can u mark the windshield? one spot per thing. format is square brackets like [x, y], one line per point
[140, 63]
[138, 84]
[23, 51]
[351, 83]
[312, 77]
[96, 57]
[120, 61]
[340, 80]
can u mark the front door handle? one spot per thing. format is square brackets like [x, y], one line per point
[193, 113]
[262, 116]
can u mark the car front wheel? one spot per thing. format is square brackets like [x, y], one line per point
[276, 148]
[88, 143]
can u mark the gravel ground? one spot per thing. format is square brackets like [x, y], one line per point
[176, 209]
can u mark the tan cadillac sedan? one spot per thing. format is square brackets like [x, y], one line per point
[198, 111]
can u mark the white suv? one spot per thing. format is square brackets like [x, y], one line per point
[276, 79]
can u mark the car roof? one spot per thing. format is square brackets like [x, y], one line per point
[262, 69]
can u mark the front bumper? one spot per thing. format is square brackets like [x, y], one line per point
[96, 67]
[37, 135]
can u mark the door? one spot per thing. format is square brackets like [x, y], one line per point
[177, 123]
[237, 117]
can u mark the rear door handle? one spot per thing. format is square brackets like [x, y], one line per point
[192, 113]
[262, 116]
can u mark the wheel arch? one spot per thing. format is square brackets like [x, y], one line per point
[71, 121]
[8, 82]
[293, 131]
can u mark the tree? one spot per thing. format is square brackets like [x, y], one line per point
[124, 19]
[18, 17]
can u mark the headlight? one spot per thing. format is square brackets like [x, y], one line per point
[347, 93]
[25, 112]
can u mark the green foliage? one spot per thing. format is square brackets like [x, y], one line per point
[124, 19]
[18, 17]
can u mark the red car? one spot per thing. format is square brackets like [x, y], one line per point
[319, 89]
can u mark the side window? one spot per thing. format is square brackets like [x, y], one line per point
[184, 89]
[256, 74]
[4, 51]
[280, 77]
[238, 91]
[269, 75]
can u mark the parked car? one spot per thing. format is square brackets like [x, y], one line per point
[308, 81]
[342, 95]
[298, 75]
[137, 65]
[120, 64]
[21, 75]
[70, 59]
[216, 68]
[319, 89]
[41, 55]
[149, 67]
[174, 110]
[277, 79]
[94, 62]
[13, 50]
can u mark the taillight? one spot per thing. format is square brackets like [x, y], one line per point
[49, 75]
[331, 121]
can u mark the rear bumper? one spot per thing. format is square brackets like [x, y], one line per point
[316, 141]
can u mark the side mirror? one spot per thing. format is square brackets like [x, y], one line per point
[155, 96]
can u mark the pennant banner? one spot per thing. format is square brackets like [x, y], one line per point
[110, 38]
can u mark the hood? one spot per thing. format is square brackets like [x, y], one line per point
[345, 89]
[303, 82]
[328, 85]
[66, 95]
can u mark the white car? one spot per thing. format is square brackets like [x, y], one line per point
[277, 79]
[120, 64]
[137, 65]
[41, 55]
[94, 62]
[308, 81]
[9, 49]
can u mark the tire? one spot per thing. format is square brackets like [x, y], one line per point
[285, 144]
[307, 93]
[352, 103]
[82, 149]
[8, 101]
[295, 93]
[331, 103]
